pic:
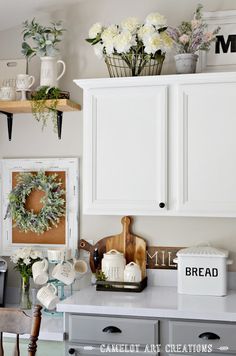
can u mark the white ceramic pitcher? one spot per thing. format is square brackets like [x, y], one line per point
[48, 74]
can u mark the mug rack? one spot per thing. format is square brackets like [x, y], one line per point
[60, 286]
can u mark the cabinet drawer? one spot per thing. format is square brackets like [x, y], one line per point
[92, 329]
[217, 335]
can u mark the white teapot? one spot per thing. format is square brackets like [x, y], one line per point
[132, 273]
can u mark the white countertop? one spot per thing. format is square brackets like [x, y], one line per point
[153, 302]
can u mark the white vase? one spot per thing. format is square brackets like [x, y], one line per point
[49, 71]
[186, 63]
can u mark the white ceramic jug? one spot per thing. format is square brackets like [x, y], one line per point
[48, 73]
[113, 265]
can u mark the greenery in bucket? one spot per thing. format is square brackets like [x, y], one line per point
[135, 42]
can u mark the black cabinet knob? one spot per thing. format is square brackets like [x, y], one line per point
[112, 330]
[162, 205]
[209, 336]
[71, 351]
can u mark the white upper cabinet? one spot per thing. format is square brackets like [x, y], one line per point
[162, 145]
[207, 148]
[125, 149]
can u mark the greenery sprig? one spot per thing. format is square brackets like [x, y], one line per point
[53, 202]
[43, 111]
[44, 38]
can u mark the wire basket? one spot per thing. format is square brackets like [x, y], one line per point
[118, 67]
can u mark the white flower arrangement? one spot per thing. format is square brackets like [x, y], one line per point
[24, 258]
[132, 39]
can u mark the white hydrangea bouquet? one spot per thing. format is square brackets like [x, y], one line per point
[135, 46]
[24, 259]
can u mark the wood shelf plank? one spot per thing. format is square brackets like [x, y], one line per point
[20, 107]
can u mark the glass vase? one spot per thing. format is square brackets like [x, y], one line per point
[25, 301]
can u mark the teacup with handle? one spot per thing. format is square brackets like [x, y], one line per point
[64, 272]
[39, 271]
[47, 295]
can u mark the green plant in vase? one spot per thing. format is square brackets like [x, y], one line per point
[24, 259]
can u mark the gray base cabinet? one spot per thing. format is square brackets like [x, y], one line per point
[97, 335]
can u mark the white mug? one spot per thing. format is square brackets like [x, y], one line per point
[7, 93]
[24, 81]
[47, 295]
[39, 271]
[58, 255]
[64, 272]
[80, 267]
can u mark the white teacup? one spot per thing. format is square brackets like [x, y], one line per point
[24, 81]
[7, 93]
[64, 272]
[39, 271]
[47, 295]
[80, 267]
[59, 255]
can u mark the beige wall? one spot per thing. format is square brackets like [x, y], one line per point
[29, 141]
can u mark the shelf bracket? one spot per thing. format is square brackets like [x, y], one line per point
[9, 116]
[59, 123]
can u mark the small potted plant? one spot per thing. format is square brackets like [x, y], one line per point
[132, 48]
[42, 41]
[189, 38]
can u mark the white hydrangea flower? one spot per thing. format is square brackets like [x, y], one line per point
[25, 252]
[26, 261]
[156, 19]
[36, 254]
[153, 43]
[98, 50]
[167, 41]
[130, 24]
[109, 32]
[144, 31]
[14, 258]
[95, 30]
[124, 41]
[108, 36]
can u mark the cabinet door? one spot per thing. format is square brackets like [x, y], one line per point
[207, 149]
[125, 150]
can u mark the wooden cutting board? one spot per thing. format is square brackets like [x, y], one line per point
[133, 247]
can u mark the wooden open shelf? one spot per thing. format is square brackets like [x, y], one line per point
[9, 108]
[21, 107]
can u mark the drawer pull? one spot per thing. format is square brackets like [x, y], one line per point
[71, 351]
[111, 330]
[209, 336]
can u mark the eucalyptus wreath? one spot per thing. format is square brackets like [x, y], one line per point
[53, 202]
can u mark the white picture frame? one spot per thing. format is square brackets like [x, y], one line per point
[222, 55]
[71, 168]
